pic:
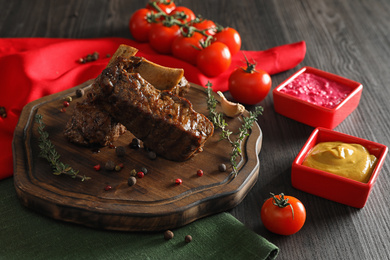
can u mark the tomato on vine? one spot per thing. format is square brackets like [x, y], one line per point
[230, 37]
[139, 24]
[167, 6]
[183, 14]
[204, 24]
[161, 37]
[214, 59]
[187, 47]
[250, 85]
[283, 215]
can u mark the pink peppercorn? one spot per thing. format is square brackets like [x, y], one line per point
[140, 174]
[108, 187]
[97, 167]
[178, 181]
[199, 173]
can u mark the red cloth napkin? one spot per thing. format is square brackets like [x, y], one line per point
[31, 68]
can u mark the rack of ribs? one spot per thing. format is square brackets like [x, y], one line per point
[162, 119]
[165, 122]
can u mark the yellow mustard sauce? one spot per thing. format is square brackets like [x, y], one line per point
[352, 161]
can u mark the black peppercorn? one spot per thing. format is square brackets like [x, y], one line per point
[109, 166]
[135, 143]
[168, 235]
[222, 167]
[152, 155]
[120, 151]
[131, 181]
[80, 92]
[188, 238]
[3, 112]
[144, 170]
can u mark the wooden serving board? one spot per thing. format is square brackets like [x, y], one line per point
[155, 202]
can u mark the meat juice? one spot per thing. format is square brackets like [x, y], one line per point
[317, 90]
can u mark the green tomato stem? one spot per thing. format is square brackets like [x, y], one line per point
[282, 202]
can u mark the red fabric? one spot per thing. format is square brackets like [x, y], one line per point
[31, 68]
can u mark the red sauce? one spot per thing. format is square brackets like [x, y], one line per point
[317, 90]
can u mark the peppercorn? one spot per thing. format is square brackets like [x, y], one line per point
[135, 143]
[133, 172]
[188, 238]
[109, 166]
[66, 104]
[108, 187]
[199, 173]
[120, 151]
[63, 110]
[222, 167]
[68, 98]
[140, 174]
[152, 155]
[168, 235]
[131, 181]
[144, 170]
[118, 168]
[178, 181]
[97, 167]
[3, 112]
[80, 92]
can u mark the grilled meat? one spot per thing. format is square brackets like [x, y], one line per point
[90, 125]
[165, 122]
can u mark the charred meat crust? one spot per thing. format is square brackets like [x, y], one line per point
[165, 122]
[90, 126]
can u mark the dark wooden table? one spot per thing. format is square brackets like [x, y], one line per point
[349, 38]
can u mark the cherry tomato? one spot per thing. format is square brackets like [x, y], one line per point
[167, 6]
[214, 59]
[283, 215]
[187, 48]
[207, 25]
[182, 10]
[231, 38]
[161, 37]
[139, 25]
[249, 86]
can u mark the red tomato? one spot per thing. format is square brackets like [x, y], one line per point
[167, 6]
[182, 10]
[286, 217]
[139, 25]
[214, 59]
[161, 37]
[249, 86]
[187, 48]
[207, 25]
[231, 38]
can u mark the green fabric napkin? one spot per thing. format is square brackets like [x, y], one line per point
[25, 234]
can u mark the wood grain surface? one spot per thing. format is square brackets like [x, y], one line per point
[349, 38]
[155, 202]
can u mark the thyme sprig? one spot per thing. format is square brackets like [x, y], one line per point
[218, 120]
[48, 152]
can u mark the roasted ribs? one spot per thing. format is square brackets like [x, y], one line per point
[90, 125]
[165, 122]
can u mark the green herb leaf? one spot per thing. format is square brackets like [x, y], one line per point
[219, 123]
[48, 152]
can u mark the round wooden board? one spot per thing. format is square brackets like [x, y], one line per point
[155, 203]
